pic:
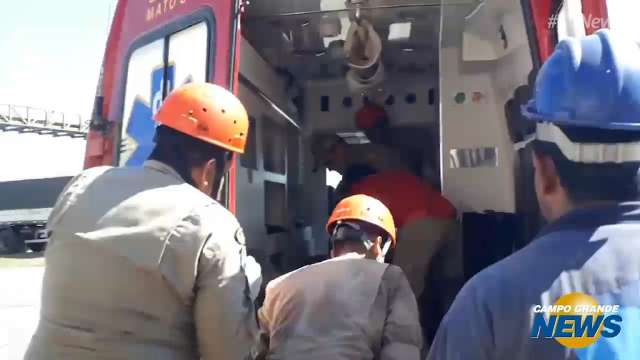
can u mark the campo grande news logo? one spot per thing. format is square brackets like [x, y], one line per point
[576, 321]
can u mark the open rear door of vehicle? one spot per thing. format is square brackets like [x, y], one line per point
[153, 47]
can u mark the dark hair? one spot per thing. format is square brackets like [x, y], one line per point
[183, 152]
[339, 245]
[594, 182]
[353, 237]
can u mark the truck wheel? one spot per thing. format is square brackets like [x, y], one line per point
[38, 247]
[10, 242]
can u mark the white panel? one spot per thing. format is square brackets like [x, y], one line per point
[340, 118]
[623, 17]
[492, 31]
[260, 74]
[249, 182]
[142, 63]
[473, 125]
[480, 35]
[399, 31]
[570, 21]
[479, 121]
[188, 53]
[310, 203]
[250, 185]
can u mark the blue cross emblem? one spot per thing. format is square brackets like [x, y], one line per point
[141, 127]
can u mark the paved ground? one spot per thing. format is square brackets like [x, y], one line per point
[20, 284]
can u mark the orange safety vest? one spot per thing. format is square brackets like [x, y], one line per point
[407, 196]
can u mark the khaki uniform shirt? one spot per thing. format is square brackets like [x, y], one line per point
[344, 308]
[141, 265]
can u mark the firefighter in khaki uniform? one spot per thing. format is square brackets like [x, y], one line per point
[142, 262]
[353, 306]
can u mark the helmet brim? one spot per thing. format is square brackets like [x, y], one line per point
[529, 111]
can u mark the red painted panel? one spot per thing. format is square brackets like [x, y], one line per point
[595, 17]
[595, 14]
[541, 10]
[233, 173]
[232, 185]
[99, 149]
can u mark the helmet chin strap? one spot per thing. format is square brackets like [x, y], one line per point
[385, 250]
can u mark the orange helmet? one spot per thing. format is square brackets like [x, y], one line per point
[207, 112]
[364, 208]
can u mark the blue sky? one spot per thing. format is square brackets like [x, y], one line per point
[51, 57]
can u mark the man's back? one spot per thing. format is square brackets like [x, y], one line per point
[122, 266]
[594, 251]
[343, 308]
[424, 218]
[406, 195]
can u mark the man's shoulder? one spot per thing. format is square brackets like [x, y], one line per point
[90, 174]
[332, 270]
[97, 170]
[393, 273]
[206, 205]
[186, 201]
[287, 281]
[171, 188]
[214, 218]
[291, 277]
[81, 182]
[394, 281]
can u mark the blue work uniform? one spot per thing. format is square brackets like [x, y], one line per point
[594, 250]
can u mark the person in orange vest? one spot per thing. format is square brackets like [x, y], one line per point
[353, 306]
[426, 220]
[143, 262]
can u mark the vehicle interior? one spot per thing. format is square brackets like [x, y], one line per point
[454, 75]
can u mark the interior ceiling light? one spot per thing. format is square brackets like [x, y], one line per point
[399, 31]
[354, 137]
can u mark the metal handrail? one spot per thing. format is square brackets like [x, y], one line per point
[27, 119]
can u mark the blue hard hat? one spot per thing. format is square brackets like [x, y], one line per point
[590, 82]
